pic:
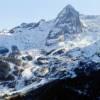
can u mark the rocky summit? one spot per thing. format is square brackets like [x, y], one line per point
[67, 22]
[68, 19]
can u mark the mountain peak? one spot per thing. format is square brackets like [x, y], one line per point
[69, 7]
[69, 19]
[67, 12]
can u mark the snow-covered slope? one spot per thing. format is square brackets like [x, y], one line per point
[25, 38]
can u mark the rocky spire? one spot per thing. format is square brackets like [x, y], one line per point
[69, 20]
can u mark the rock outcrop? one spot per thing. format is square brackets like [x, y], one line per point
[66, 23]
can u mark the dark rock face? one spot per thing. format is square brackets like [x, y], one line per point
[15, 51]
[11, 31]
[79, 88]
[83, 87]
[59, 52]
[86, 68]
[28, 57]
[3, 50]
[4, 70]
[66, 23]
[27, 25]
[42, 60]
[68, 19]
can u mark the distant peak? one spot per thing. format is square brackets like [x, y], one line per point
[67, 12]
[69, 7]
[69, 18]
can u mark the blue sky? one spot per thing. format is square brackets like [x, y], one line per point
[14, 12]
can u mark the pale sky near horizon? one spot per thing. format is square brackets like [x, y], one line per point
[14, 12]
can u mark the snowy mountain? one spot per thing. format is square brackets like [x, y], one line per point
[36, 53]
[69, 20]
[42, 34]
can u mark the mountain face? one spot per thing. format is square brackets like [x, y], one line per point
[67, 22]
[68, 19]
[33, 54]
